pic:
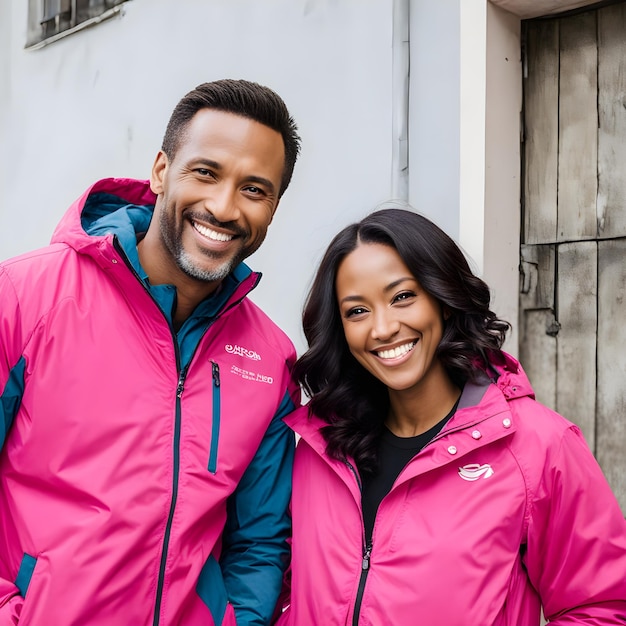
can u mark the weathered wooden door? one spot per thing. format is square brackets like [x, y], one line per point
[573, 252]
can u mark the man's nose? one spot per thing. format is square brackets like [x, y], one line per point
[222, 203]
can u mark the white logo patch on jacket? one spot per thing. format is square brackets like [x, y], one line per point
[473, 471]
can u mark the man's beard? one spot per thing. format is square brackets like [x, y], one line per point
[185, 262]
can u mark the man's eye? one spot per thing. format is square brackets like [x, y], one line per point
[203, 171]
[254, 190]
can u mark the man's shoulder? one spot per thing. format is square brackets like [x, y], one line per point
[43, 259]
[42, 274]
[32, 283]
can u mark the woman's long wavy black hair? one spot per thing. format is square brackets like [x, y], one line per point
[351, 400]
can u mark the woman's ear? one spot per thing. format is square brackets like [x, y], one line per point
[446, 313]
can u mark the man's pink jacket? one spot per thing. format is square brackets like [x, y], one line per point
[145, 474]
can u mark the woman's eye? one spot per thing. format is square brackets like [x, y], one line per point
[405, 295]
[357, 310]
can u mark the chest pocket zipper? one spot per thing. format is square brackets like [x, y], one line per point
[216, 408]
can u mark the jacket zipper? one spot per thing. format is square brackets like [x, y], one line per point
[365, 568]
[365, 565]
[168, 527]
[182, 374]
[215, 429]
[367, 548]
[365, 560]
[354, 473]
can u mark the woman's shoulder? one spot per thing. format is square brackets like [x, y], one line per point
[530, 416]
[308, 427]
[535, 417]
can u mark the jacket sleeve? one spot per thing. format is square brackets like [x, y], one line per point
[255, 552]
[11, 388]
[576, 552]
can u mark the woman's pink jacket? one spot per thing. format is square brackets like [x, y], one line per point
[504, 511]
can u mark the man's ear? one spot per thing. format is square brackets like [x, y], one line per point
[157, 175]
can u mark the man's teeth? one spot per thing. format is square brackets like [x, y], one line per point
[211, 234]
[394, 353]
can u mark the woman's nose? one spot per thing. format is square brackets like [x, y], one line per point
[385, 326]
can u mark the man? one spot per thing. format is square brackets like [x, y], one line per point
[145, 468]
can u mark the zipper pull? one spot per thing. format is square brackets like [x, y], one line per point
[181, 382]
[365, 565]
[215, 369]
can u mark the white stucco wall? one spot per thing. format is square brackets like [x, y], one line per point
[464, 155]
[95, 104]
[434, 120]
[503, 108]
[5, 66]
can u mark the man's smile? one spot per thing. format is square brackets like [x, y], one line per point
[209, 233]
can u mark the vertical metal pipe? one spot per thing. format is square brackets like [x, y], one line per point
[73, 15]
[400, 100]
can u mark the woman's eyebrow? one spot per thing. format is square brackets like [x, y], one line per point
[395, 283]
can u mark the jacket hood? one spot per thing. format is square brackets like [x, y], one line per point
[509, 376]
[103, 198]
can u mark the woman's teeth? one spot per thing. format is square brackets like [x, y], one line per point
[394, 353]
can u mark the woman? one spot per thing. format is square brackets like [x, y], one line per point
[429, 486]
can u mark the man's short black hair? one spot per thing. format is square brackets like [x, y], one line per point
[240, 97]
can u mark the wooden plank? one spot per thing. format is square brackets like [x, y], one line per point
[538, 276]
[612, 120]
[537, 347]
[576, 342]
[537, 353]
[611, 403]
[578, 128]
[541, 123]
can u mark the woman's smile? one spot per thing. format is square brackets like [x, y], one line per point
[394, 354]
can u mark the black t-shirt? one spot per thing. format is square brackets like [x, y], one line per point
[393, 454]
